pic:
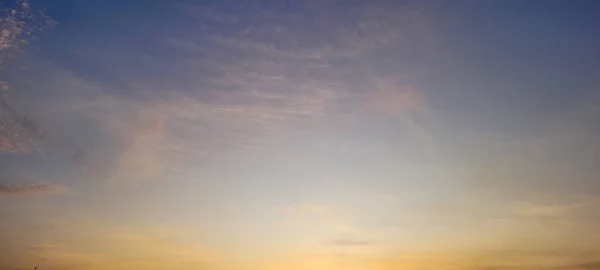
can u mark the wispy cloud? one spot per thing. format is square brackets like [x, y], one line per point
[266, 95]
[32, 189]
[242, 86]
[18, 134]
[141, 161]
[19, 25]
[394, 97]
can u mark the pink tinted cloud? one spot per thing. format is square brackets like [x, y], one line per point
[392, 96]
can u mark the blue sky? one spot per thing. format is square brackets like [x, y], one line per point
[302, 134]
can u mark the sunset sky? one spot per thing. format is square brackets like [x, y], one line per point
[301, 134]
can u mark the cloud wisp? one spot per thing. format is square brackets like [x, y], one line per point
[32, 189]
[261, 86]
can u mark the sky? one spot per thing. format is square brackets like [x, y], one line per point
[288, 134]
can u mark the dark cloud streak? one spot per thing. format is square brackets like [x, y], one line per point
[30, 189]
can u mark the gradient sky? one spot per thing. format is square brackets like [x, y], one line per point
[313, 134]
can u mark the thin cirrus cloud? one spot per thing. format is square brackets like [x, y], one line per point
[260, 87]
[18, 134]
[29, 189]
